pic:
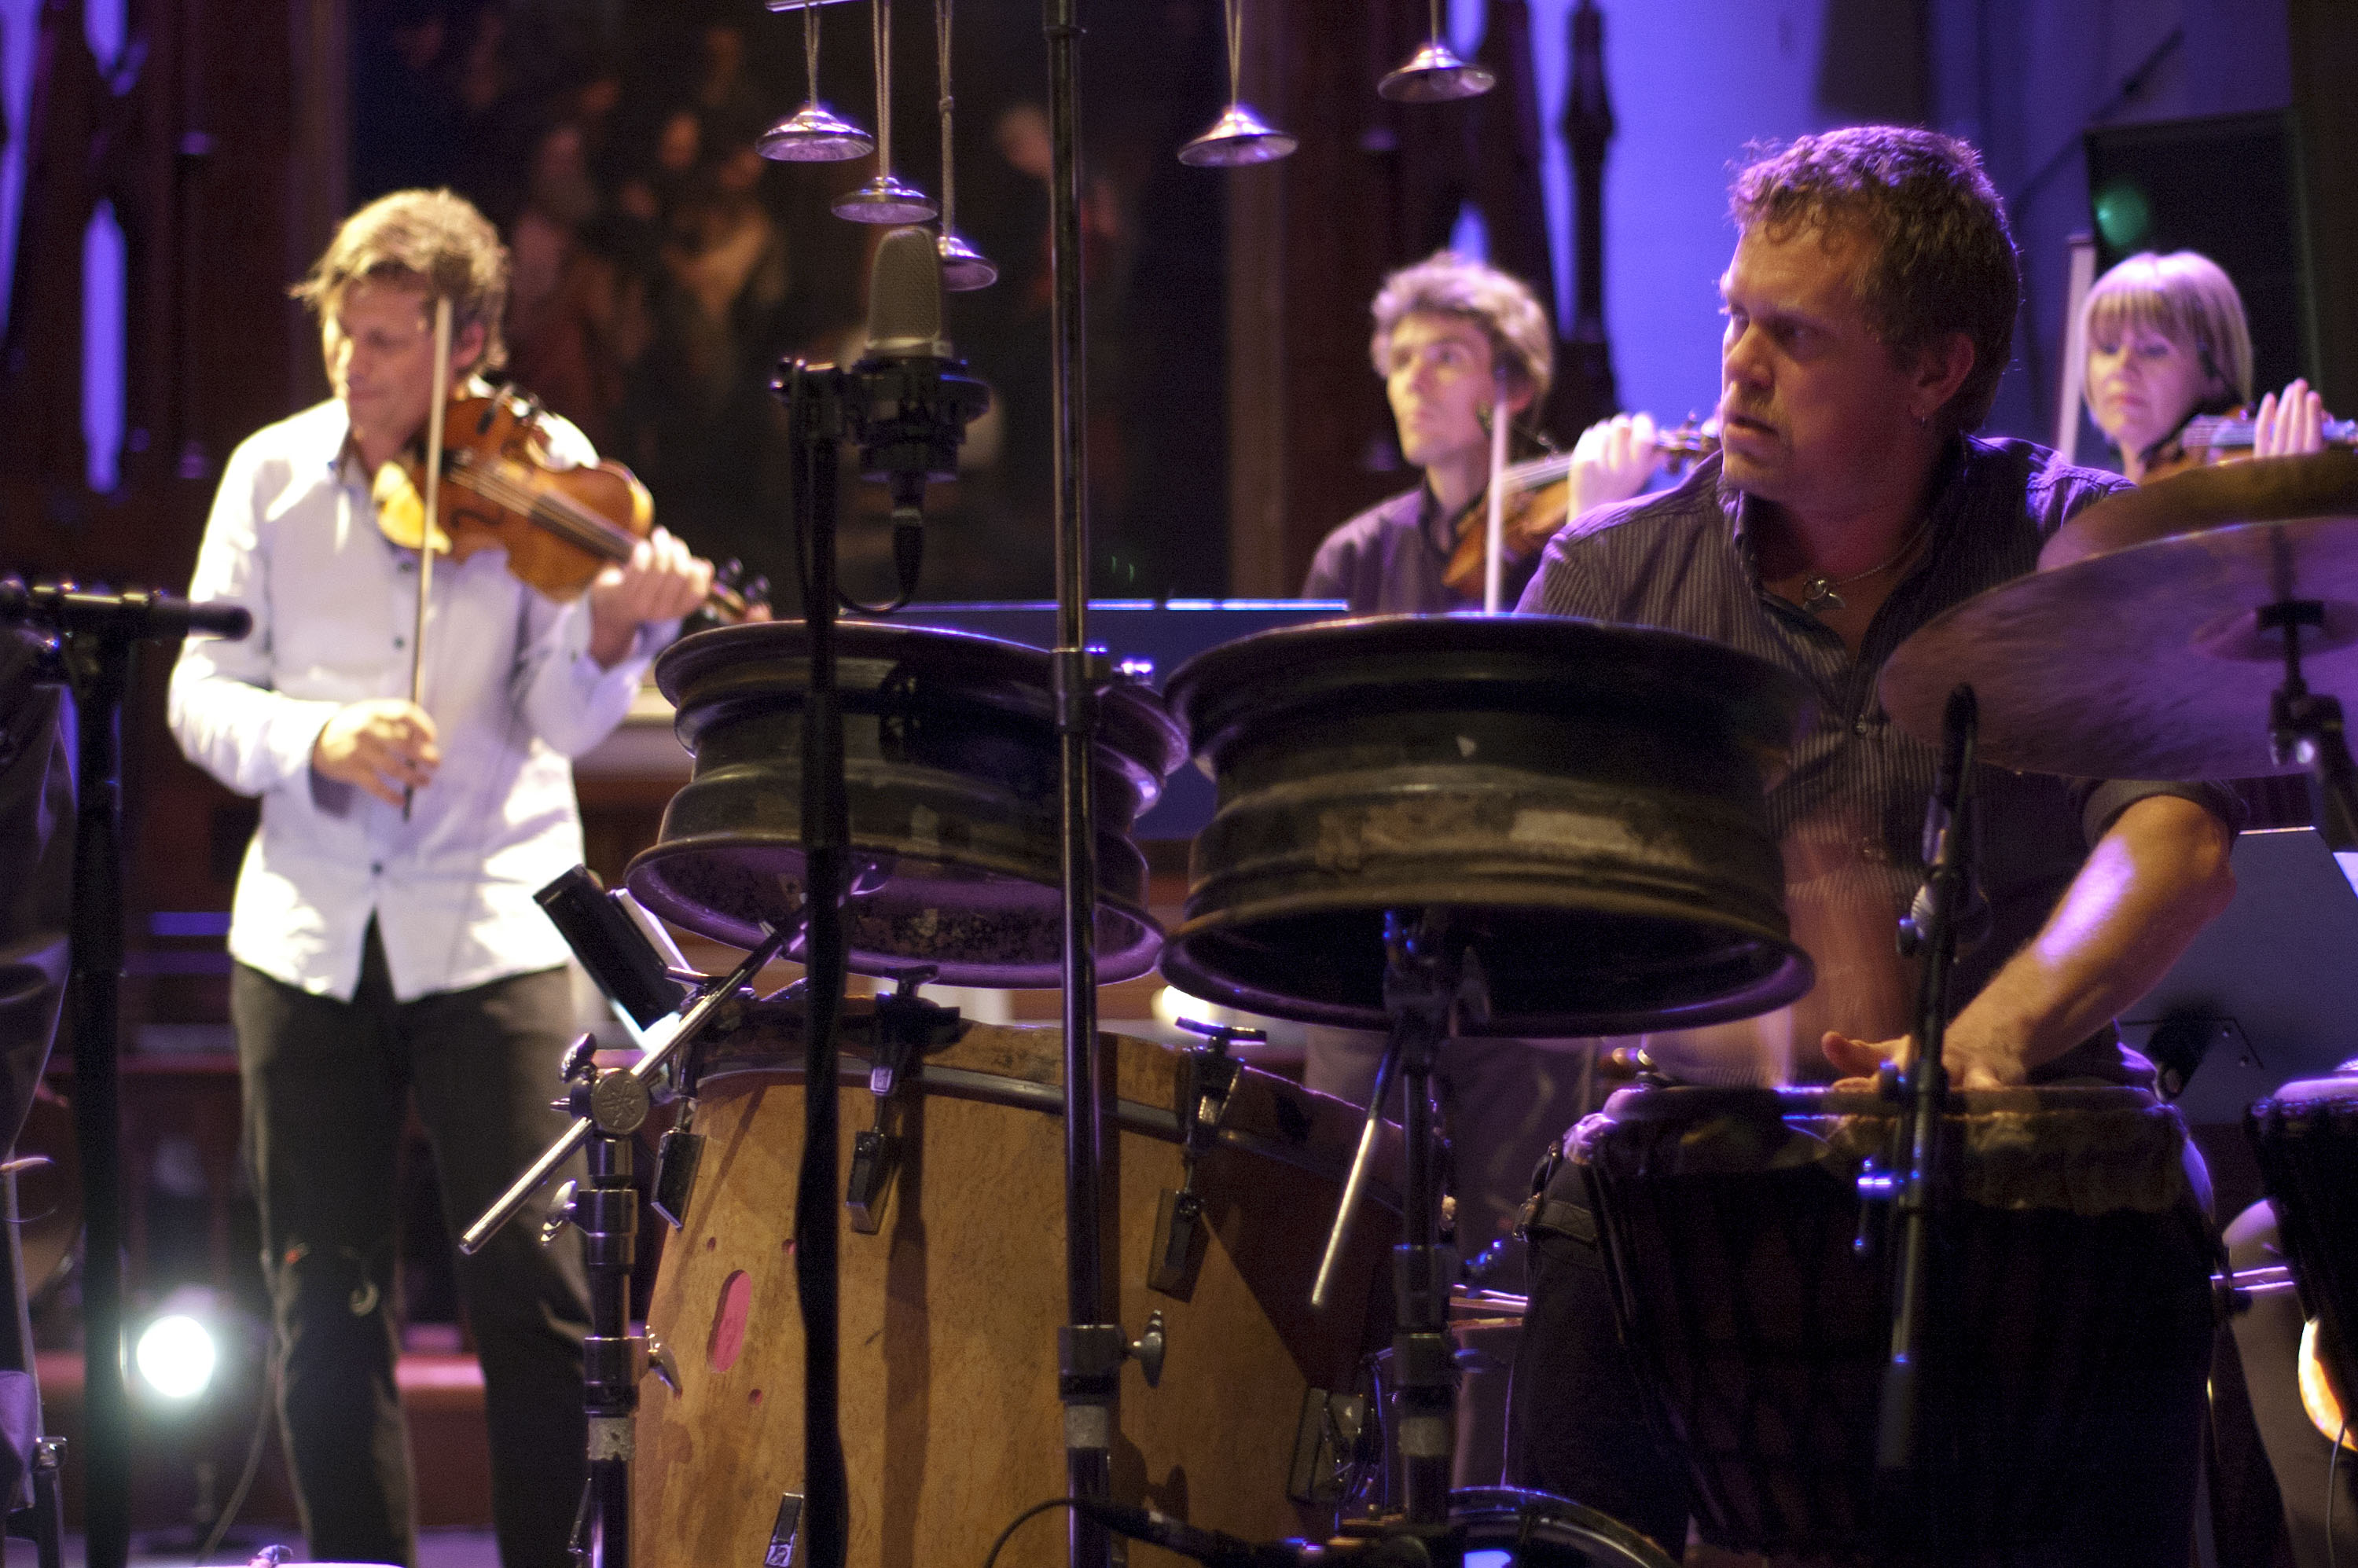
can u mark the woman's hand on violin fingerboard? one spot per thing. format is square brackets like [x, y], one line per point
[1613, 461]
[2288, 426]
[384, 746]
[663, 581]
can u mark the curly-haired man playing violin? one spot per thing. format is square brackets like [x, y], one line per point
[385, 955]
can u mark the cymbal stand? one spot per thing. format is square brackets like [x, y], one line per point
[1915, 1187]
[1431, 980]
[605, 1208]
[2305, 727]
[1091, 1345]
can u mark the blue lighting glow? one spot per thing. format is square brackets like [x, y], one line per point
[103, 334]
[20, 23]
[1471, 235]
[103, 24]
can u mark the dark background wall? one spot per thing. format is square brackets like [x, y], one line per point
[1233, 419]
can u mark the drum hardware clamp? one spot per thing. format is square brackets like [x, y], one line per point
[718, 993]
[1096, 1351]
[906, 1026]
[1206, 1075]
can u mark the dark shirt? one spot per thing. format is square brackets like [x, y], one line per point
[1849, 813]
[1388, 561]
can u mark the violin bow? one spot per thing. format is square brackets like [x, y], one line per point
[425, 534]
[1494, 538]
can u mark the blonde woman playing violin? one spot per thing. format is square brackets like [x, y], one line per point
[2170, 370]
[383, 953]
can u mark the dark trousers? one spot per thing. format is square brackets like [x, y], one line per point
[327, 1084]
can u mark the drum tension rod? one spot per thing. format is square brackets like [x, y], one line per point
[906, 1026]
[1207, 1075]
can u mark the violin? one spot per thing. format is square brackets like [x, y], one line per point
[2233, 432]
[501, 487]
[1538, 503]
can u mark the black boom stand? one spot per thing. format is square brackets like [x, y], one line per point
[99, 632]
[905, 403]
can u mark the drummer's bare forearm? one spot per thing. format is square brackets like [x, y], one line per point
[2159, 875]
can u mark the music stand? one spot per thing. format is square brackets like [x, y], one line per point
[2278, 972]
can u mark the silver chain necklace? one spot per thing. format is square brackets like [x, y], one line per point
[1818, 594]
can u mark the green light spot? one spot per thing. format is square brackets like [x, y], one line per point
[2124, 215]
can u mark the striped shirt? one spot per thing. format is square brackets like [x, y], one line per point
[1849, 813]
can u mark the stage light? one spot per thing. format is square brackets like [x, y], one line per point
[176, 1356]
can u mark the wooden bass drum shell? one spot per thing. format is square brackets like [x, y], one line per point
[951, 1423]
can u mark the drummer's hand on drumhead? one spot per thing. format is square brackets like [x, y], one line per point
[2287, 425]
[1858, 1061]
[1613, 461]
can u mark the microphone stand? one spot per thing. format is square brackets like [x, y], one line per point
[1917, 1187]
[1091, 1346]
[100, 632]
[817, 419]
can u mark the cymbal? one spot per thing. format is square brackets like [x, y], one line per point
[2139, 654]
[2265, 490]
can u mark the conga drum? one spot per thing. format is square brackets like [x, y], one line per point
[2074, 1284]
[951, 1422]
[2306, 1136]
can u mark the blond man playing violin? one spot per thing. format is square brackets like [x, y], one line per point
[386, 948]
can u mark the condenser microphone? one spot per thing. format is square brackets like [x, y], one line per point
[914, 397]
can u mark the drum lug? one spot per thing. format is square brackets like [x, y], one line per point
[1176, 1249]
[907, 1025]
[678, 1156]
[1206, 1075]
[875, 1156]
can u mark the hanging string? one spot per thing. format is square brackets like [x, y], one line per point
[1236, 14]
[942, 55]
[810, 45]
[880, 31]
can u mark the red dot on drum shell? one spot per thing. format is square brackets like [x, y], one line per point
[756, 1396]
[711, 1242]
[728, 1338]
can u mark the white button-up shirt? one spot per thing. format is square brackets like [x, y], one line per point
[508, 679]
